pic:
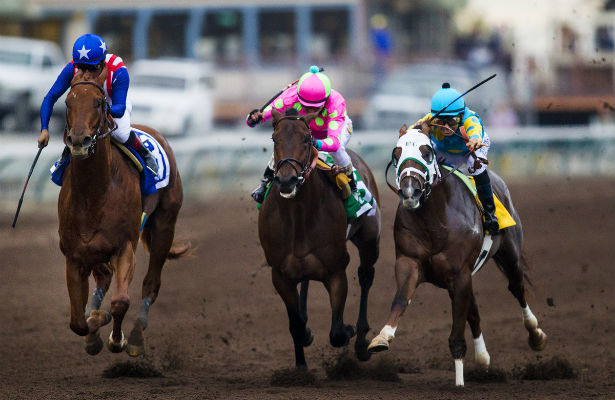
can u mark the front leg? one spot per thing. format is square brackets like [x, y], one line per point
[77, 282]
[296, 324]
[337, 286]
[124, 266]
[407, 278]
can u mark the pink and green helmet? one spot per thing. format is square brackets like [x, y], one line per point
[313, 88]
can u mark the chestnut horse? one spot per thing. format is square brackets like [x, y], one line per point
[303, 230]
[438, 238]
[99, 209]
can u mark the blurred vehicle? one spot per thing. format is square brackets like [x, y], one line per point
[405, 95]
[173, 96]
[28, 68]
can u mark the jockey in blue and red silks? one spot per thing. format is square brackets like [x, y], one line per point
[455, 132]
[90, 53]
[331, 129]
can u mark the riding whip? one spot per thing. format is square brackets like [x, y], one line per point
[281, 91]
[26, 184]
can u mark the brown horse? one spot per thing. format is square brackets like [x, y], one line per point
[303, 230]
[99, 210]
[438, 241]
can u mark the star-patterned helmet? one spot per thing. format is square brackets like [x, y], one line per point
[89, 49]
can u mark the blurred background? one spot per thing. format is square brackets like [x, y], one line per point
[197, 67]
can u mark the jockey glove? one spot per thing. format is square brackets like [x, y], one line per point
[251, 122]
[318, 144]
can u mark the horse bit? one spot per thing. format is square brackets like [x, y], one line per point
[105, 115]
[306, 167]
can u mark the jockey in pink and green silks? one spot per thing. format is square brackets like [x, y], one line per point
[331, 129]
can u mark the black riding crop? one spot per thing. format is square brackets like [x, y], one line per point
[26, 185]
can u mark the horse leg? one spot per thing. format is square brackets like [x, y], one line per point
[513, 266]
[481, 356]
[407, 277]
[124, 267]
[461, 298]
[159, 239]
[337, 286]
[95, 317]
[309, 338]
[296, 324]
[368, 254]
[77, 282]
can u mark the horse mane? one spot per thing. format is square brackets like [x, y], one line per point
[290, 112]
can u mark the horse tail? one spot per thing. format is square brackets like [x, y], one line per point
[179, 250]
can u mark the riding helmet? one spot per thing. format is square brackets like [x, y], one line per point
[313, 88]
[444, 97]
[89, 49]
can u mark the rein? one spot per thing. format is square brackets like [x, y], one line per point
[105, 117]
[310, 160]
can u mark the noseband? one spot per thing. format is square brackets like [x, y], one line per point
[105, 115]
[309, 163]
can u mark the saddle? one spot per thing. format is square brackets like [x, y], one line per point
[337, 177]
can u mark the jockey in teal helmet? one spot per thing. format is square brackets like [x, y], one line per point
[331, 129]
[90, 54]
[455, 132]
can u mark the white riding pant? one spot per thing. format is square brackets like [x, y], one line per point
[340, 157]
[123, 125]
[455, 159]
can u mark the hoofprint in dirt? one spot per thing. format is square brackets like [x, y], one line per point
[221, 331]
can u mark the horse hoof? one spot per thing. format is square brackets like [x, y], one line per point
[537, 340]
[308, 338]
[378, 344]
[115, 347]
[93, 344]
[483, 360]
[98, 319]
[135, 351]
[362, 353]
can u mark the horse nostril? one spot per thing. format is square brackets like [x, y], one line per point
[69, 140]
[87, 141]
[276, 180]
[293, 180]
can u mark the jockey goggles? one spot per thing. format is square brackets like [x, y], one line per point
[450, 121]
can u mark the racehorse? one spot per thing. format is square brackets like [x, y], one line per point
[438, 238]
[99, 209]
[303, 230]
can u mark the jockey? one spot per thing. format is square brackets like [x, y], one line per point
[90, 53]
[456, 132]
[331, 129]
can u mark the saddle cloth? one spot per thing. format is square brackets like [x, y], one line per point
[505, 220]
[149, 183]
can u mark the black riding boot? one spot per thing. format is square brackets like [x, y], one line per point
[259, 193]
[485, 195]
[150, 161]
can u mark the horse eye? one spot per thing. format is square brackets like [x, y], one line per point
[307, 139]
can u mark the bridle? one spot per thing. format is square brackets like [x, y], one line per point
[310, 159]
[105, 117]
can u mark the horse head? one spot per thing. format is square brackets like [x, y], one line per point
[415, 165]
[293, 150]
[86, 112]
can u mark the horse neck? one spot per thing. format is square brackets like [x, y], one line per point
[309, 201]
[90, 178]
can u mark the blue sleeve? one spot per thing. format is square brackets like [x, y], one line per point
[59, 87]
[120, 90]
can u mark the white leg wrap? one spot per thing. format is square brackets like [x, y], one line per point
[481, 356]
[459, 372]
[529, 320]
[388, 332]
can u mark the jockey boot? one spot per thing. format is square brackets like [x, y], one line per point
[485, 195]
[352, 183]
[259, 193]
[147, 156]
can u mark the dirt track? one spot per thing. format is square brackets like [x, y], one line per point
[219, 330]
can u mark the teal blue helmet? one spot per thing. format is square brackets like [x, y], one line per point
[443, 97]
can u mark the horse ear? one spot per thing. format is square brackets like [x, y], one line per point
[102, 77]
[77, 77]
[276, 114]
[309, 117]
[403, 130]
